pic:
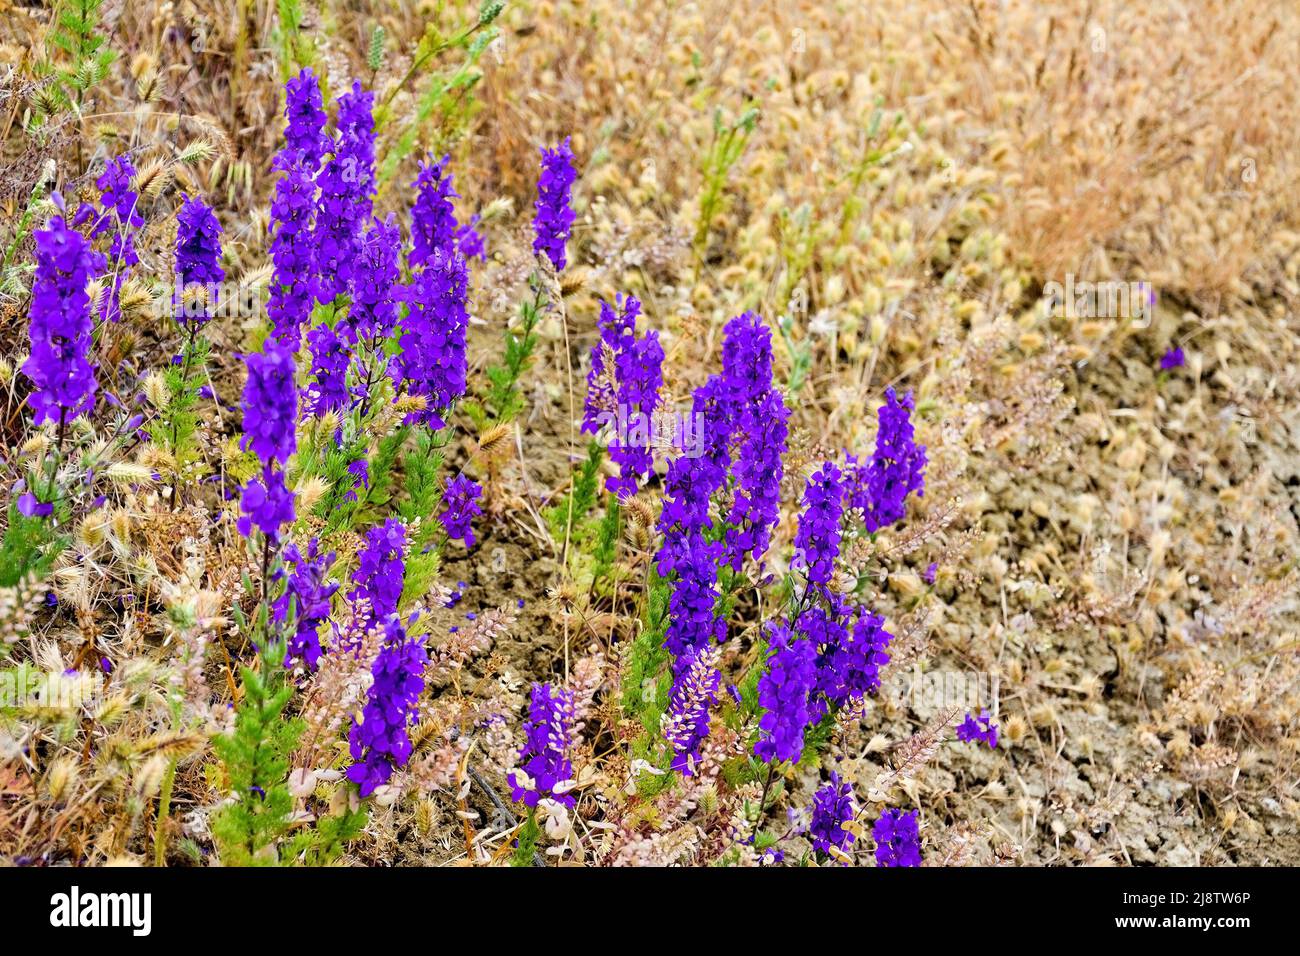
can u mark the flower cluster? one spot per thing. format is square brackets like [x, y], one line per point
[433, 215]
[270, 409]
[381, 567]
[433, 361]
[833, 806]
[784, 692]
[293, 250]
[979, 728]
[544, 766]
[345, 182]
[305, 133]
[898, 838]
[330, 360]
[852, 645]
[380, 742]
[554, 216]
[309, 593]
[267, 504]
[693, 623]
[373, 311]
[198, 244]
[1172, 359]
[817, 542]
[119, 216]
[880, 487]
[639, 375]
[460, 502]
[60, 329]
[759, 470]
[270, 404]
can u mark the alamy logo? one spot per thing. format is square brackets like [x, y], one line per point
[1073, 299]
[74, 909]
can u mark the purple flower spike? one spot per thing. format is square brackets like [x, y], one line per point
[381, 743]
[270, 404]
[345, 183]
[554, 216]
[896, 469]
[381, 568]
[330, 359]
[374, 284]
[461, 504]
[818, 538]
[118, 216]
[545, 770]
[898, 839]
[293, 249]
[783, 693]
[198, 244]
[833, 806]
[433, 361]
[433, 217]
[304, 110]
[311, 593]
[60, 325]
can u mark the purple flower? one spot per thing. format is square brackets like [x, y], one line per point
[639, 379]
[544, 766]
[32, 507]
[616, 328]
[554, 216]
[433, 217]
[692, 479]
[60, 325]
[693, 623]
[817, 541]
[931, 572]
[381, 567]
[746, 365]
[433, 362]
[198, 244]
[759, 468]
[897, 468]
[380, 743]
[979, 728]
[638, 373]
[310, 593]
[686, 724]
[330, 359]
[118, 216]
[345, 182]
[898, 839]
[266, 504]
[784, 690]
[460, 502]
[303, 109]
[470, 241]
[270, 404]
[293, 252]
[373, 283]
[851, 648]
[360, 472]
[1172, 359]
[833, 806]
